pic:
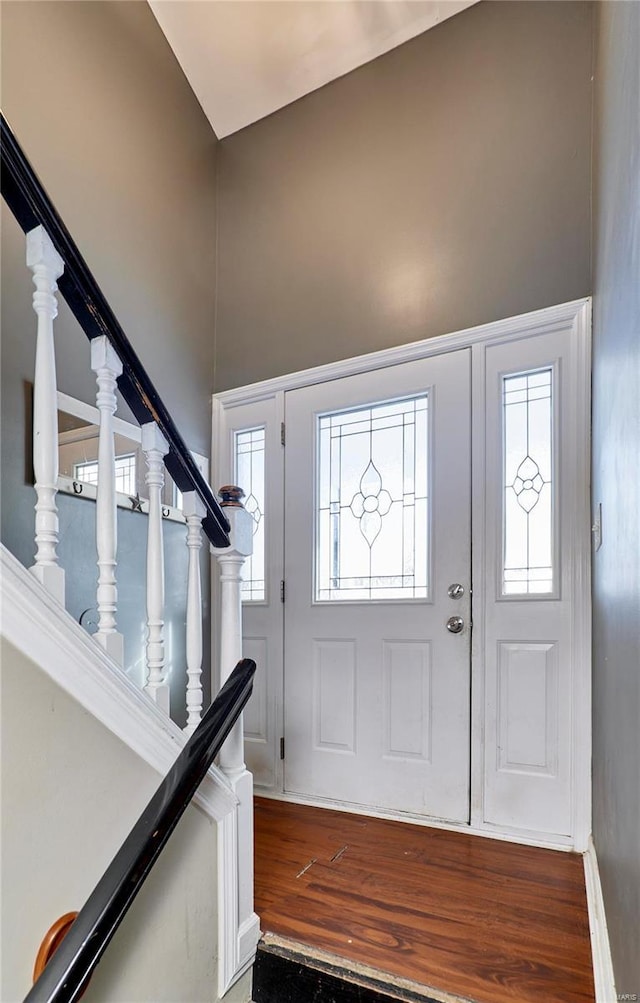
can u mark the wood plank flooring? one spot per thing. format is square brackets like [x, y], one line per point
[492, 921]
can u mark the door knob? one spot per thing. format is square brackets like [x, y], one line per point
[455, 624]
[455, 591]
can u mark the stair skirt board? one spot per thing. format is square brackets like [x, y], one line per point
[288, 972]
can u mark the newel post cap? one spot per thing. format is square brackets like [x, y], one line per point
[241, 522]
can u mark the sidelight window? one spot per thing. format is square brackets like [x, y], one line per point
[249, 453]
[528, 485]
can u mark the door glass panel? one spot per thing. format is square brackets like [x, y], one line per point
[528, 484]
[372, 535]
[249, 475]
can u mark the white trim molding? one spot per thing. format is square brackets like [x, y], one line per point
[527, 324]
[237, 936]
[34, 622]
[581, 547]
[526, 838]
[600, 949]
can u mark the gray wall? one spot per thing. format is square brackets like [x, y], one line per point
[616, 481]
[103, 111]
[108, 120]
[443, 185]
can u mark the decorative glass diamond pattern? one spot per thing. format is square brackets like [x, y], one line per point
[527, 484]
[371, 503]
[250, 476]
[527, 468]
[371, 511]
[252, 506]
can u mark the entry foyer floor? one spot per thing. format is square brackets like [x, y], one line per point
[483, 919]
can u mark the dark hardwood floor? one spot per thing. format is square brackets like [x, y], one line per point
[492, 921]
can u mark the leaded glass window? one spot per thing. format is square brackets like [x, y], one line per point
[528, 483]
[372, 535]
[249, 451]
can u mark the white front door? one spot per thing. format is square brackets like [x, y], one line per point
[377, 570]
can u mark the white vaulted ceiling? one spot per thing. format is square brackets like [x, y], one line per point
[246, 58]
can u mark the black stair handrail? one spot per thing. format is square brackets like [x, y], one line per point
[69, 969]
[27, 198]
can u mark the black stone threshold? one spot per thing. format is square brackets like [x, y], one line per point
[289, 972]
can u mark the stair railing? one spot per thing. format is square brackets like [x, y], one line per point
[69, 969]
[58, 266]
[27, 198]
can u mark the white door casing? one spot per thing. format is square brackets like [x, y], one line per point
[511, 797]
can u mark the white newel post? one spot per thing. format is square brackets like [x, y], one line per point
[240, 927]
[155, 448]
[231, 560]
[47, 266]
[194, 512]
[107, 367]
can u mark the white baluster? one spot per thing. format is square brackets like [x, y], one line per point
[155, 448]
[194, 512]
[47, 266]
[235, 873]
[107, 367]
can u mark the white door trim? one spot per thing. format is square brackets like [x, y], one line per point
[575, 317]
[511, 329]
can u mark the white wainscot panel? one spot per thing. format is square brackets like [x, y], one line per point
[255, 713]
[334, 694]
[527, 722]
[407, 711]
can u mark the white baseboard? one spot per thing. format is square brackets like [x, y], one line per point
[600, 949]
[525, 837]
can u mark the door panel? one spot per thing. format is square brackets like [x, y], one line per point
[377, 468]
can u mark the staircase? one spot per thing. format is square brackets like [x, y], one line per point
[75, 667]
